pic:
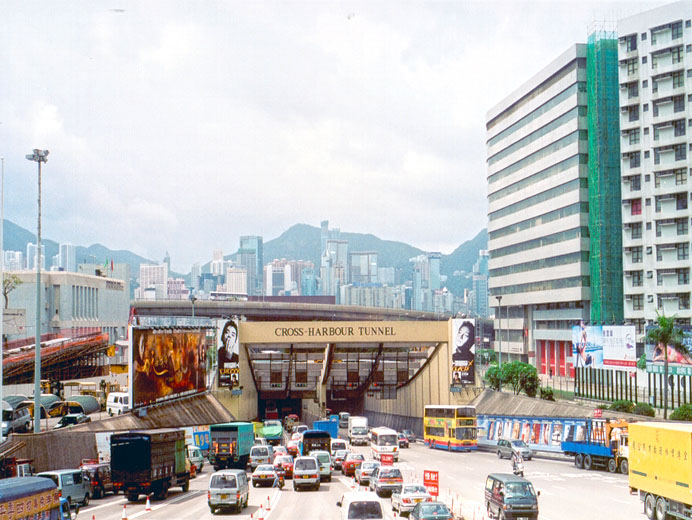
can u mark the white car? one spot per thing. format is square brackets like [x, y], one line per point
[361, 504]
[264, 475]
[408, 497]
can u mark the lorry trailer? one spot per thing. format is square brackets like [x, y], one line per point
[605, 445]
[230, 444]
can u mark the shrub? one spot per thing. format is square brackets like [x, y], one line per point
[644, 409]
[492, 376]
[683, 413]
[641, 362]
[547, 394]
[622, 406]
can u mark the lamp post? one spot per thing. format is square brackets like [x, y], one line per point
[193, 299]
[39, 156]
[499, 355]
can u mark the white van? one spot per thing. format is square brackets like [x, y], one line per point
[356, 505]
[118, 403]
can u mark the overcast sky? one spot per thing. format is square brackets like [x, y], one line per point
[179, 126]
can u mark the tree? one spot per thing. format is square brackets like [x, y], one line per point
[492, 376]
[520, 376]
[10, 283]
[641, 362]
[665, 336]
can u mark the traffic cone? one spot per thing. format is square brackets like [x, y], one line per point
[124, 517]
[148, 506]
[269, 506]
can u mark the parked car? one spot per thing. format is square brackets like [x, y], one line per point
[403, 440]
[510, 495]
[72, 419]
[351, 463]
[285, 462]
[339, 457]
[409, 435]
[410, 495]
[360, 504]
[505, 448]
[264, 475]
[306, 473]
[100, 475]
[118, 403]
[365, 470]
[15, 420]
[386, 480]
[431, 511]
[228, 489]
[72, 485]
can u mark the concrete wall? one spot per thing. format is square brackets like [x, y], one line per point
[243, 407]
[56, 449]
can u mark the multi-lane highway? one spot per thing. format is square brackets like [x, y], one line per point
[566, 492]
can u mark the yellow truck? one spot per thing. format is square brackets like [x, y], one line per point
[660, 460]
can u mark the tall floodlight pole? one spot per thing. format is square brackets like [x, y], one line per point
[499, 355]
[39, 156]
[2, 279]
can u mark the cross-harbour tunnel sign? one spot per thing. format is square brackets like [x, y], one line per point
[344, 332]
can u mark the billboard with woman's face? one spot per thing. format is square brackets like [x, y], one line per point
[228, 353]
[463, 351]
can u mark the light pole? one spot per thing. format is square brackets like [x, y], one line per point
[499, 355]
[39, 156]
[193, 299]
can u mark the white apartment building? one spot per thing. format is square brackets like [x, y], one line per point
[655, 75]
[236, 280]
[538, 214]
[153, 281]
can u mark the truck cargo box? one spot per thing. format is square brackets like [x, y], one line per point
[143, 455]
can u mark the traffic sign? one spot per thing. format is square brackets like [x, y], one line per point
[597, 413]
[386, 459]
[431, 481]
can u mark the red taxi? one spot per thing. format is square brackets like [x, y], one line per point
[293, 447]
[285, 462]
[351, 463]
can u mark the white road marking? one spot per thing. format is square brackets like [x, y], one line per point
[168, 503]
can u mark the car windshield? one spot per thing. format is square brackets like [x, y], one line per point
[359, 430]
[69, 419]
[305, 464]
[414, 489]
[519, 489]
[390, 473]
[259, 452]
[341, 454]
[365, 510]
[223, 482]
[369, 465]
[286, 459]
[434, 509]
[355, 456]
[272, 423]
[519, 444]
[265, 468]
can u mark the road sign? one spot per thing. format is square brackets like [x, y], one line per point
[597, 413]
[431, 481]
[386, 459]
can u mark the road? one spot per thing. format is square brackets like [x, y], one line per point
[566, 492]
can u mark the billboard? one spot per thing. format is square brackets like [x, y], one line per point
[463, 351]
[228, 353]
[541, 434]
[679, 363]
[166, 363]
[604, 346]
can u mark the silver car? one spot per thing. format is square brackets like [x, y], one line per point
[306, 473]
[228, 489]
[386, 480]
[506, 447]
[364, 471]
[410, 494]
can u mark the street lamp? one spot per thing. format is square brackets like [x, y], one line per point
[193, 299]
[39, 156]
[499, 356]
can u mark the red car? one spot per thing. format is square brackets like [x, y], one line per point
[285, 462]
[292, 448]
[351, 463]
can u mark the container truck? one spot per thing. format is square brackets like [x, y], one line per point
[605, 445]
[149, 462]
[33, 497]
[331, 427]
[661, 468]
[358, 430]
[230, 444]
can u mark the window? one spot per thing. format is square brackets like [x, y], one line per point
[647, 177]
[659, 231]
[637, 256]
[636, 230]
[646, 131]
[643, 36]
[680, 177]
[633, 113]
[646, 107]
[678, 103]
[681, 226]
[679, 127]
[634, 136]
[678, 79]
[632, 66]
[636, 182]
[680, 152]
[635, 160]
[648, 201]
[648, 226]
[631, 42]
[644, 60]
[676, 30]
[638, 302]
[636, 207]
[632, 90]
[646, 155]
[659, 251]
[659, 278]
[684, 300]
[683, 251]
[676, 54]
[637, 279]
[684, 276]
[681, 201]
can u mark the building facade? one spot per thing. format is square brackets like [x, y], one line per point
[154, 280]
[251, 256]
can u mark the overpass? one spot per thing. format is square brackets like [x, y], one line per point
[305, 358]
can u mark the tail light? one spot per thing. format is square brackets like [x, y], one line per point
[208, 495]
[60, 493]
[406, 500]
[237, 497]
[94, 483]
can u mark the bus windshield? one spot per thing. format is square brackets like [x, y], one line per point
[387, 440]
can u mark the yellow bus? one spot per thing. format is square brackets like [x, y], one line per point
[450, 427]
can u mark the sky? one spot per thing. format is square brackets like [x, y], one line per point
[180, 126]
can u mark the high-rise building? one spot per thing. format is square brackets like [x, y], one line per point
[195, 272]
[655, 74]
[153, 279]
[308, 282]
[176, 289]
[251, 256]
[14, 261]
[334, 266]
[479, 305]
[426, 280]
[31, 256]
[218, 264]
[386, 275]
[275, 277]
[236, 280]
[546, 249]
[362, 267]
[167, 261]
[66, 259]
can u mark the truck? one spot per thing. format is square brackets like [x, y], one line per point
[273, 431]
[357, 430]
[606, 445]
[660, 468]
[149, 462]
[343, 419]
[230, 444]
[331, 427]
[315, 440]
[36, 497]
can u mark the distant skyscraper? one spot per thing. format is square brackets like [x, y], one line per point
[308, 282]
[167, 261]
[66, 259]
[426, 280]
[236, 280]
[218, 264]
[154, 277]
[31, 256]
[480, 285]
[177, 290]
[362, 267]
[14, 261]
[194, 276]
[386, 275]
[251, 256]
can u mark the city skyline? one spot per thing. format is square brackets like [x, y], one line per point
[350, 112]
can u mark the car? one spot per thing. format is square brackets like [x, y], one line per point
[351, 463]
[339, 457]
[293, 447]
[360, 504]
[228, 489]
[325, 462]
[338, 444]
[264, 475]
[73, 485]
[260, 455]
[506, 447]
[365, 470]
[306, 473]
[280, 450]
[386, 480]
[72, 419]
[261, 441]
[300, 428]
[510, 496]
[296, 437]
[410, 436]
[410, 495]
[431, 511]
[100, 475]
[194, 453]
[403, 440]
[15, 419]
[285, 462]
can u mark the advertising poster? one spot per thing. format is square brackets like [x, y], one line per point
[539, 433]
[606, 346]
[166, 363]
[463, 352]
[679, 363]
[587, 346]
[228, 353]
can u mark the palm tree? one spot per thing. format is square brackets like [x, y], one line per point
[666, 335]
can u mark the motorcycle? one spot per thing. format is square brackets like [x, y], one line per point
[281, 473]
[518, 467]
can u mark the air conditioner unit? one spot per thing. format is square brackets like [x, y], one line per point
[650, 298]
[628, 273]
[649, 274]
[628, 297]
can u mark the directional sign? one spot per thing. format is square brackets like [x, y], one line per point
[431, 481]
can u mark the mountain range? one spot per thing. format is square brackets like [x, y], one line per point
[299, 242]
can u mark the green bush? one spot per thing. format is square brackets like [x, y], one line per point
[644, 409]
[683, 413]
[622, 406]
[641, 362]
[492, 377]
[547, 394]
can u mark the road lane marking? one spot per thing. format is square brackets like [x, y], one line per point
[179, 498]
[94, 508]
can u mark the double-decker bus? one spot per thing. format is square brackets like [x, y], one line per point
[384, 440]
[450, 427]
